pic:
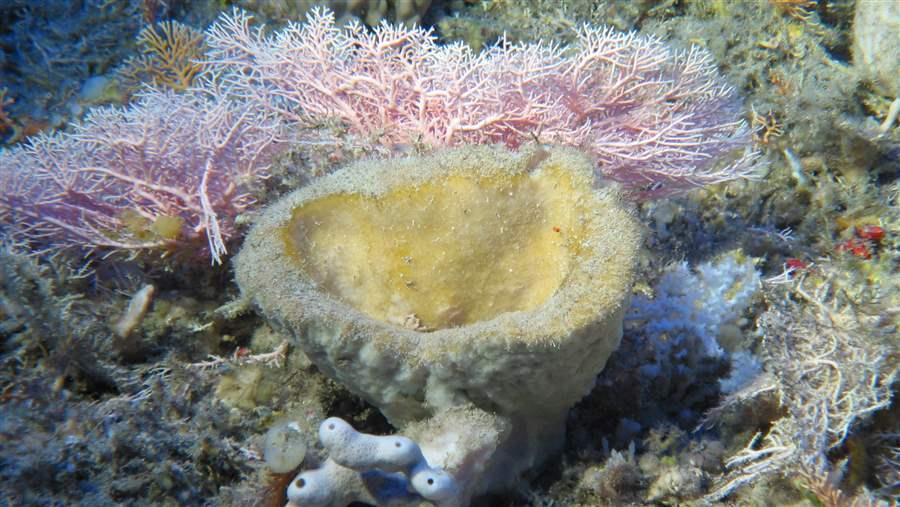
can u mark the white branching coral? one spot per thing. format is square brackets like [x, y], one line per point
[827, 373]
[696, 303]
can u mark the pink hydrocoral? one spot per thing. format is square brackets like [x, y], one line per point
[657, 120]
[178, 156]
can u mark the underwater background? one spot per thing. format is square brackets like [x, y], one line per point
[759, 354]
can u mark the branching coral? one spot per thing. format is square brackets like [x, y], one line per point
[171, 57]
[828, 375]
[175, 167]
[692, 307]
[661, 121]
[170, 170]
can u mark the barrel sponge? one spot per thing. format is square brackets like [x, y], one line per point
[475, 274]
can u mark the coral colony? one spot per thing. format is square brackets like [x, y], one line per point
[443, 277]
[173, 170]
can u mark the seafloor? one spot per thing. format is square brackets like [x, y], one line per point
[174, 409]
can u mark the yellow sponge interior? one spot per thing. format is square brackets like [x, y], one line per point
[448, 252]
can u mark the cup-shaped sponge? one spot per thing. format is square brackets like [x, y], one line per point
[475, 274]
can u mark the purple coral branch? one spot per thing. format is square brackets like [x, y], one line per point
[181, 156]
[659, 121]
